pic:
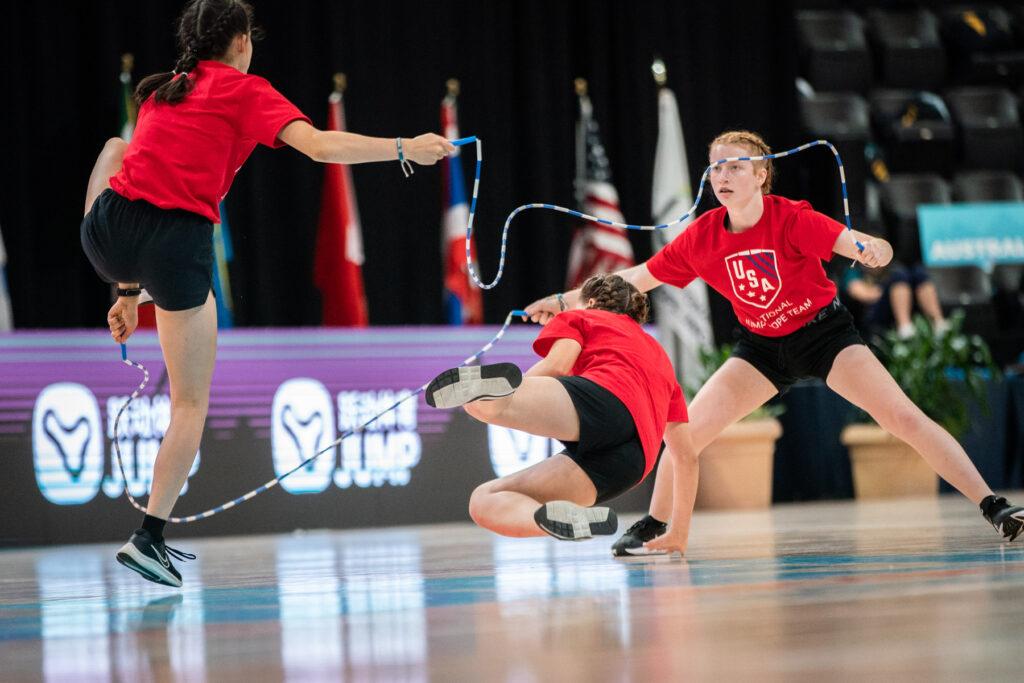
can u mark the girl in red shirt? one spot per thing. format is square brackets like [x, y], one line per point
[150, 206]
[764, 253]
[604, 387]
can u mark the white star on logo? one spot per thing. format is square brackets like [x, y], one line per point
[762, 297]
[742, 287]
[750, 294]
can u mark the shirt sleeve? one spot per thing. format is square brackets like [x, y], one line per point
[567, 325]
[813, 234]
[671, 265]
[264, 112]
[677, 406]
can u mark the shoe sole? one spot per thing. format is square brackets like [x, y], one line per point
[570, 522]
[636, 552]
[458, 386]
[146, 567]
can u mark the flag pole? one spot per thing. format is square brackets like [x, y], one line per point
[340, 83]
[453, 86]
[127, 64]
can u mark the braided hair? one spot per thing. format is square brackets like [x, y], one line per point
[205, 31]
[612, 293]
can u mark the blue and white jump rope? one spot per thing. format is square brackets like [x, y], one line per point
[476, 279]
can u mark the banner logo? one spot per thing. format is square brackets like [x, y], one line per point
[67, 444]
[512, 450]
[302, 423]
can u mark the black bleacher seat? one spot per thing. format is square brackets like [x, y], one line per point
[899, 199]
[834, 52]
[916, 130]
[989, 127]
[907, 48]
[987, 186]
[981, 45]
[843, 120]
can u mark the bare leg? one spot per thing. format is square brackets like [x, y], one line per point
[540, 406]
[506, 506]
[108, 163]
[189, 342]
[862, 380]
[928, 300]
[902, 304]
[732, 393]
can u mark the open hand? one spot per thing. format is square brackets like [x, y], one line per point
[669, 542]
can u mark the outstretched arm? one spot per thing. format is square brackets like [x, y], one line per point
[336, 147]
[685, 473]
[543, 310]
[877, 252]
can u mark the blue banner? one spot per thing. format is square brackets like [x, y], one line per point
[972, 234]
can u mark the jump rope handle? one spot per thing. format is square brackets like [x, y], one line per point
[459, 142]
[124, 352]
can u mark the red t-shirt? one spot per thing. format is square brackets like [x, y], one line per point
[771, 272]
[619, 356]
[185, 155]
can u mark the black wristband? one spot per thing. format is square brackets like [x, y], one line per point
[134, 291]
[561, 301]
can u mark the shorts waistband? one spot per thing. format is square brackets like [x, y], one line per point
[829, 308]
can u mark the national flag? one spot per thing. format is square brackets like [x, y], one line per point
[6, 319]
[463, 302]
[596, 249]
[337, 270]
[684, 317]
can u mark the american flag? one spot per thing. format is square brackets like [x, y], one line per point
[596, 249]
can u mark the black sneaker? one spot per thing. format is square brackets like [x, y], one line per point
[632, 542]
[152, 559]
[571, 522]
[458, 386]
[1007, 519]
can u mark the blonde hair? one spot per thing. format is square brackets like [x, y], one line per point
[753, 144]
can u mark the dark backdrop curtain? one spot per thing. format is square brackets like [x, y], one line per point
[730, 64]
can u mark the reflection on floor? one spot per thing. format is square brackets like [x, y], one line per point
[920, 589]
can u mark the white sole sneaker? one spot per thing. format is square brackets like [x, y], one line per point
[458, 386]
[571, 522]
[133, 558]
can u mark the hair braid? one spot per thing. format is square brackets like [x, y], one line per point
[612, 293]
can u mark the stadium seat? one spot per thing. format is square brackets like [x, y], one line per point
[899, 199]
[981, 44]
[834, 53]
[987, 186]
[989, 127]
[916, 130]
[843, 120]
[961, 285]
[908, 51]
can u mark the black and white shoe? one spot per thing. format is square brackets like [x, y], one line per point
[571, 522]
[1006, 518]
[152, 559]
[632, 542]
[458, 386]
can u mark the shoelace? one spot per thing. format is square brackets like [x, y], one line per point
[179, 555]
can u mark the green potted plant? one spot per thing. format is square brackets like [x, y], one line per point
[736, 468]
[941, 374]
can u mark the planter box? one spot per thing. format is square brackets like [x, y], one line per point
[884, 466]
[736, 468]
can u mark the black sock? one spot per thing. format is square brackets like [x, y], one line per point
[155, 527]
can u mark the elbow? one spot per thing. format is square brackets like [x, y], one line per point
[318, 149]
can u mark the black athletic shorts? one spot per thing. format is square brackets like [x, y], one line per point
[168, 251]
[808, 352]
[609, 450]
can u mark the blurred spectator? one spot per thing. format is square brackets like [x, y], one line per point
[889, 297]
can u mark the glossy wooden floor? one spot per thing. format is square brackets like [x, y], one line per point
[914, 590]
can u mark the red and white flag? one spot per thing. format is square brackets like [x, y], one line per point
[338, 268]
[596, 249]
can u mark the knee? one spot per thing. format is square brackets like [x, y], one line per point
[115, 146]
[902, 420]
[190, 405]
[479, 504]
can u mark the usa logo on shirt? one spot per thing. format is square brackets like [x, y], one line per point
[754, 275]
